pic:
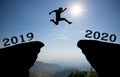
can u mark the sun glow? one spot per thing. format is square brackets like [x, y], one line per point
[76, 10]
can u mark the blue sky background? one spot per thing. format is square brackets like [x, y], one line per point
[23, 16]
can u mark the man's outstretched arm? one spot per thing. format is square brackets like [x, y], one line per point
[64, 9]
[51, 12]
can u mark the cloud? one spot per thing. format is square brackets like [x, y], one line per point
[61, 37]
[63, 34]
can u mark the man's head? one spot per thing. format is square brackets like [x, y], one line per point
[60, 8]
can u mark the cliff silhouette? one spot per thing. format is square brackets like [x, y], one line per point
[102, 56]
[15, 61]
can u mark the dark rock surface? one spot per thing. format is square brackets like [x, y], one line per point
[15, 61]
[103, 57]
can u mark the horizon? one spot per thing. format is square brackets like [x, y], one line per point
[83, 67]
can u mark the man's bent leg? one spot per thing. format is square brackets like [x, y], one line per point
[66, 20]
[55, 22]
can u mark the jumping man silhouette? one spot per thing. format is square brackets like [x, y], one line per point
[58, 16]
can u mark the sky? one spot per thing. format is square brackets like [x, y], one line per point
[19, 17]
